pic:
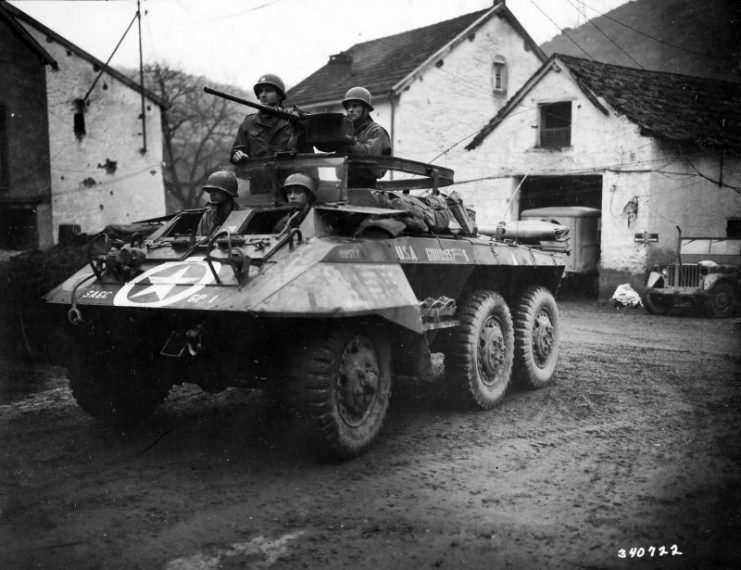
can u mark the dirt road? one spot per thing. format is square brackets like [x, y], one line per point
[630, 458]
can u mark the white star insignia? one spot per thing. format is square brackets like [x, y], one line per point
[161, 286]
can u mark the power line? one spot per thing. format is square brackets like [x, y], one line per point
[561, 30]
[659, 40]
[608, 37]
[243, 12]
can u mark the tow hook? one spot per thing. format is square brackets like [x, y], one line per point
[177, 343]
[194, 340]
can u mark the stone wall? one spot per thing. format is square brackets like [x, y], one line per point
[26, 183]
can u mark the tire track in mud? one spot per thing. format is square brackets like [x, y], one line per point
[631, 444]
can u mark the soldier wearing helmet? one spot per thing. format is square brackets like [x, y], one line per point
[370, 137]
[300, 190]
[261, 134]
[222, 188]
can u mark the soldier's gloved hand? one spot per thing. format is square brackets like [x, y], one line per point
[239, 155]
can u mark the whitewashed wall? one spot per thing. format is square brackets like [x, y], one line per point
[83, 192]
[680, 196]
[448, 104]
[662, 178]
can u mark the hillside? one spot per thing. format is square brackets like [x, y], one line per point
[678, 36]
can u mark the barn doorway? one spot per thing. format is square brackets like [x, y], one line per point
[573, 201]
[545, 191]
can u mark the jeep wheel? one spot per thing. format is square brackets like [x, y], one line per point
[537, 335]
[340, 382]
[478, 358]
[720, 302]
[116, 391]
[656, 304]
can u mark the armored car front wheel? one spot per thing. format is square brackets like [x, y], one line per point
[340, 381]
[537, 337]
[479, 354]
[114, 390]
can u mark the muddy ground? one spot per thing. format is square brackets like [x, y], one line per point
[628, 459]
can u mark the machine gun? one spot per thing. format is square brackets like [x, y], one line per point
[330, 131]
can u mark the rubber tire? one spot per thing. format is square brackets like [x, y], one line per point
[315, 383]
[655, 306]
[720, 302]
[462, 359]
[530, 371]
[114, 390]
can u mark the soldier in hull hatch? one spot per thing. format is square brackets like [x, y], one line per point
[298, 190]
[221, 187]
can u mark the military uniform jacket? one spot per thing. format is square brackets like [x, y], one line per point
[262, 135]
[370, 139]
[213, 217]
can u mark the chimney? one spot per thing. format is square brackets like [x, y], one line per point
[341, 62]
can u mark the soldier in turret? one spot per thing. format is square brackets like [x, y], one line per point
[370, 137]
[261, 134]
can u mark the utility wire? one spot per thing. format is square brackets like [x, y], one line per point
[693, 52]
[591, 21]
[561, 30]
[242, 12]
[110, 58]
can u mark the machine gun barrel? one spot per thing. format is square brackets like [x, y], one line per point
[278, 112]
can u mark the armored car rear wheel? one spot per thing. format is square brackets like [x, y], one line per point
[479, 354]
[117, 391]
[537, 337]
[340, 382]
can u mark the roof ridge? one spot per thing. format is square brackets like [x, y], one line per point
[567, 57]
[416, 30]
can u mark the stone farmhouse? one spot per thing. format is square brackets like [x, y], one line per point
[80, 143]
[652, 150]
[433, 87]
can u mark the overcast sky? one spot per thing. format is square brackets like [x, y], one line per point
[235, 41]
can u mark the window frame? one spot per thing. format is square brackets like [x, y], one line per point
[499, 71]
[558, 136]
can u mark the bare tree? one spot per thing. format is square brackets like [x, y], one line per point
[198, 130]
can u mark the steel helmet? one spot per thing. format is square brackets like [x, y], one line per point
[302, 180]
[358, 94]
[271, 79]
[222, 180]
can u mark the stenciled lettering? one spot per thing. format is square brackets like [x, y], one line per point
[447, 255]
[405, 253]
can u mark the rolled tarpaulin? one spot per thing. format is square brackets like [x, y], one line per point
[529, 230]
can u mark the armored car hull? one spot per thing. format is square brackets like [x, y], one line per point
[325, 313]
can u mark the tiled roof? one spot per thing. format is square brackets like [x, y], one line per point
[379, 64]
[702, 112]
